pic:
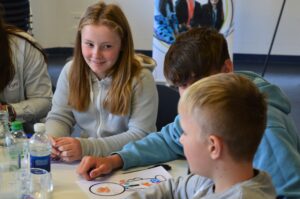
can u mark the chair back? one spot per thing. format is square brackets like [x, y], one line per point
[167, 106]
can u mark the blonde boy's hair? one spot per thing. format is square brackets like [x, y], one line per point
[233, 109]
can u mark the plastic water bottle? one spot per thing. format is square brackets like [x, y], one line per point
[4, 128]
[40, 151]
[22, 144]
[8, 159]
[8, 144]
[40, 148]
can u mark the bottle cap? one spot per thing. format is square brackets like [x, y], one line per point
[39, 127]
[16, 126]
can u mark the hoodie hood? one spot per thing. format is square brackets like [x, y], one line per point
[145, 61]
[275, 97]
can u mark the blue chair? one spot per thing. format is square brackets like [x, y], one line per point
[167, 106]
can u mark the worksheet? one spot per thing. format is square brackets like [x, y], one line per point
[121, 184]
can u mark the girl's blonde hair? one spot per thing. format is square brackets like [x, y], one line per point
[119, 95]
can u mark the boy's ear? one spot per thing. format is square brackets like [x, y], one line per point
[215, 146]
[228, 66]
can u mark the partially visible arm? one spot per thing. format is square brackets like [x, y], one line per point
[60, 119]
[37, 85]
[142, 120]
[279, 154]
[156, 147]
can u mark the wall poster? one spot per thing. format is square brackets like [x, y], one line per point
[172, 17]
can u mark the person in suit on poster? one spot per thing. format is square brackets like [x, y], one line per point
[188, 13]
[213, 14]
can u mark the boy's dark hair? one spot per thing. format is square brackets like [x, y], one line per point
[195, 54]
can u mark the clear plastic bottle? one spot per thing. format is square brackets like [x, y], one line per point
[8, 143]
[40, 148]
[4, 129]
[8, 159]
[22, 144]
[40, 151]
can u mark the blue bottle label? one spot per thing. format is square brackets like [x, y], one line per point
[42, 162]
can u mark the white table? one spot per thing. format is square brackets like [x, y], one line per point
[64, 178]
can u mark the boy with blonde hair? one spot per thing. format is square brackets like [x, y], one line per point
[223, 118]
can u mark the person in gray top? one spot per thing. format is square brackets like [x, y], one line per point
[105, 89]
[223, 117]
[25, 85]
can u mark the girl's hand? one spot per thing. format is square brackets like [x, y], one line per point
[69, 148]
[55, 153]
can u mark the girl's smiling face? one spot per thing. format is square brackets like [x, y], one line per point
[101, 47]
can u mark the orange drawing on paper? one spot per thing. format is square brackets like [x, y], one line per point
[103, 189]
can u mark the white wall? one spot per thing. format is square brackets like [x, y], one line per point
[255, 23]
[54, 23]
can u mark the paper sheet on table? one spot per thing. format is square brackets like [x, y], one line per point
[120, 185]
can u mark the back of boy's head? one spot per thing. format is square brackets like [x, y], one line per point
[230, 107]
[195, 54]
